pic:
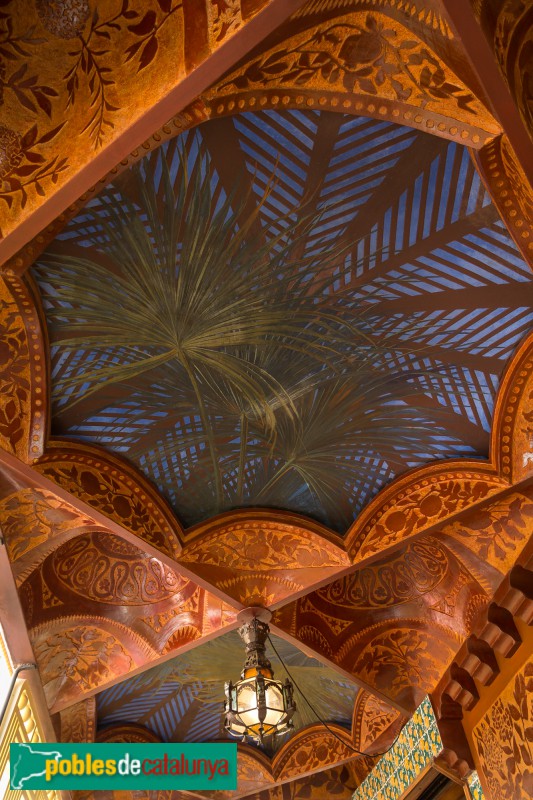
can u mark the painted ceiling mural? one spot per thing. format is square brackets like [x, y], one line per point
[67, 73]
[290, 363]
[277, 309]
[181, 700]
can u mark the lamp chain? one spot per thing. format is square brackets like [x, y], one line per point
[323, 722]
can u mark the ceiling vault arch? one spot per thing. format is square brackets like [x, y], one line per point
[148, 492]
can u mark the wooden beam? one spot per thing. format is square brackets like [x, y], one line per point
[18, 642]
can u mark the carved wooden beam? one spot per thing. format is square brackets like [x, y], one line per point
[511, 190]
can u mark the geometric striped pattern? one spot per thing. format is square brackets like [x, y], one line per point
[182, 699]
[425, 251]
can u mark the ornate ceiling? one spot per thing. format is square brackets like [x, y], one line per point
[181, 700]
[338, 342]
[265, 313]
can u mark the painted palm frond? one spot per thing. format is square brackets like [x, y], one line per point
[181, 281]
[233, 345]
[319, 453]
[323, 449]
[203, 671]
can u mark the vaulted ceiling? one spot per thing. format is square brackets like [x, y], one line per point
[312, 330]
[266, 313]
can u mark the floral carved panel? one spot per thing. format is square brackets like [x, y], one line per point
[100, 64]
[372, 718]
[34, 522]
[497, 531]
[74, 58]
[254, 771]
[337, 783]
[78, 654]
[310, 751]
[504, 741]
[404, 661]
[368, 55]
[263, 559]
[22, 370]
[412, 504]
[114, 489]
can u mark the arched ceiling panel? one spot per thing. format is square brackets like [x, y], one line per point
[181, 700]
[291, 325]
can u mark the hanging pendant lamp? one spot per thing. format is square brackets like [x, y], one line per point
[257, 706]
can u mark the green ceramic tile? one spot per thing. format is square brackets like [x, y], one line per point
[474, 786]
[418, 743]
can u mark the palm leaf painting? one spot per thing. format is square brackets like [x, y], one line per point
[233, 347]
[194, 682]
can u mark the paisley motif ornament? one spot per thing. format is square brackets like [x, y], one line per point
[418, 570]
[106, 569]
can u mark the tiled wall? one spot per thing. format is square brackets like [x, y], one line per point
[416, 746]
[476, 792]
